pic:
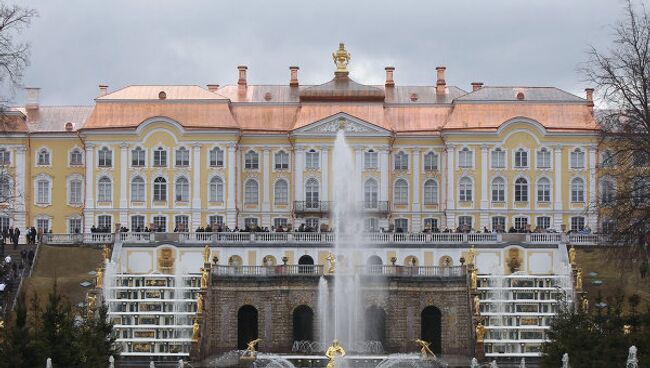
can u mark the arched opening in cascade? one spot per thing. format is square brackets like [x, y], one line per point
[375, 324]
[431, 328]
[303, 323]
[305, 264]
[247, 326]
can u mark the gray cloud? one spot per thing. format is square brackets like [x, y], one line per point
[79, 44]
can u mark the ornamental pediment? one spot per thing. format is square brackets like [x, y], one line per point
[353, 126]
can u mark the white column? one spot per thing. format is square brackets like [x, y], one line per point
[298, 169]
[196, 186]
[231, 203]
[451, 192]
[484, 187]
[266, 187]
[593, 214]
[123, 183]
[383, 174]
[557, 164]
[358, 172]
[90, 187]
[324, 170]
[415, 206]
[19, 191]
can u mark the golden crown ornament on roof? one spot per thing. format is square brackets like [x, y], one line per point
[341, 59]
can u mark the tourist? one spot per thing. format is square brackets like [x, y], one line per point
[16, 237]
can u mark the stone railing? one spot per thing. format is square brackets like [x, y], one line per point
[85, 238]
[318, 270]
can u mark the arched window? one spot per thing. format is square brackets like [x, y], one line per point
[401, 193]
[577, 190]
[607, 191]
[105, 157]
[182, 190]
[247, 326]
[430, 192]
[521, 158]
[577, 159]
[521, 190]
[303, 323]
[465, 189]
[498, 190]
[543, 190]
[251, 160]
[137, 189]
[104, 190]
[251, 192]
[43, 157]
[281, 196]
[76, 158]
[182, 157]
[160, 189]
[370, 193]
[216, 157]
[312, 194]
[430, 161]
[401, 161]
[465, 158]
[281, 160]
[543, 158]
[216, 190]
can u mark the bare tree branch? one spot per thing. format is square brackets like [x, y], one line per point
[14, 55]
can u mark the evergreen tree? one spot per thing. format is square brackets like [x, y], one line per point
[18, 348]
[58, 331]
[96, 339]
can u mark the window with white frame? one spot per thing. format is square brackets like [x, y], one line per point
[43, 191]
[216, 190]
[370, 193]
[281, 160]
[105, 222]
[402, 225]
[75, 191]
[465, 223]
[182, 189]
[281, 192]
[543, 222]
[465, 158]
[521, 190]
[312, 222]
[607, 190]
[370, 161]
[401, 192]
[104, 190]
[251, 160]
[137, 189]
[43, 157]
[577, 223]
[5, 189]
[607, 159]
[430, 192]
[577, 159]
[182, 157]
[138, 157]
[160, 223]
[521, 223]
[401, 161]
[498, 158]
[498, 190]
[105, 157]
[431, 224]
[42, 224]
[312, 194]
[371, 224]
[182, 223]
[465, 189]
[577, 190]
[498, 223]
[76, 158]
[137, 223]
[251, 192]
[250, 223]
[216, 157]
[543, 190]
[160, 157]
[280, 222]
[521, 158]
[312, 159]
[431, 161]
[543, 158]
[160, 189]
[215, 221]
[74, 225]
[5, 156]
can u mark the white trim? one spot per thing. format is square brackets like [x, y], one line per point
[69, 179]
[49, 179]
[50, 156]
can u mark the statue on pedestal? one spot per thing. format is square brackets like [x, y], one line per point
[204, 278]
[106, 253]
[572, 256]
[473, 278]
[196, 328]
[579, 279]
[477, 305]
[425, 352]
[332, 259]
[471, 256]
[199, 303]
[99, 278]
[206, 254]
[332, 352]
[480, 332]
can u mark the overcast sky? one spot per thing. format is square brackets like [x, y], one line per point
[78, 44]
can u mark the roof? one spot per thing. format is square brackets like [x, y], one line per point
[152, 92]
[12, 121]
[342, 88]
[54, 118]
[537, 94]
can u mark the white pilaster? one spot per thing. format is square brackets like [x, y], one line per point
[593, 214]
[124, 164]
[416, 221]
[266, 185]
[298, 169]
[383, 174]
[557, 164]
[324, 169]
[484, 187]
[358, 170]
[19, 191]
[90, 187]
[196, 186]
[231, 203]
[451, 192]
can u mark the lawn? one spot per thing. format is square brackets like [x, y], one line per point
[69, 266]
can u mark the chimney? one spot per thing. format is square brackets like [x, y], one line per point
[103, 90]
[390, 82]
[440, 83]
[294, 76]
[242, 75]
[213, 87]
[476, 86]
[590, 96]
[32, 98]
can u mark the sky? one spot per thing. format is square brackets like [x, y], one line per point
[78, 44]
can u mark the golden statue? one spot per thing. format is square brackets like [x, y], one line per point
[91, 301]
[204, 278]
[332, 259]
[106, 252]
[196, 330]
[425, 352]
[333, 350]
[477, 305]
[206, 254]
[579, 279]
[199, 303]
[99, 278]
[572, 256]
[473, 278]
[341, 59]
[627, 329]
[250, 347]
[584, 304]
[470, 256]
[480, 332]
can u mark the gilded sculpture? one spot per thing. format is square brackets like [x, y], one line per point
[584, 304]
[199, 303]
[471, 256]
[572, 256]
[206, 254]
[91, 301]
[579, 279]
[341, 59]
[332, 259]
[204, 278]
[477, 305]
[473, 278]
[480, 332]
[425, 352]
[250, 347]
[106, 253]
[196, 330]
[332, 352]
[99, 278]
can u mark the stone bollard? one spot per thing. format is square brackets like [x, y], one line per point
[111, 362]
[632, 361]
[48, 363]
[565, 360]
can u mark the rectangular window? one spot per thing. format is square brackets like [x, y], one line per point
[431, 224]
[76, 158]
[544, 159]
[43, 225]
[521, 159]
[137, 157]
[43, 191]
[401, 161]
[372, 224]
[370, 160]
[250, 223]
[281, 160]
[543, 222]
[499, 223]
[312, 222]
[430, 162]
[498, 159]
[160, 224]
[137, 223]
[74, 226]
[465, 158]
[521, 223]
[312, 160]
[402, 225]
[182, 157]
[543, 191]
[75, 192]
[105, 158]
[216, 157]
[160, 158]
[577, 223]
[181, 223]
[577, 159]
[251, 160]
[465, 223]
[104, 223]
[216, 222]
[280, 222]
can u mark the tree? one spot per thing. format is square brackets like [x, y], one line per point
[58, 332]
[18, 348]
[96, 339]
[14, 55]
[621, 77]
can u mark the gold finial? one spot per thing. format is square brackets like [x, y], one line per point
[341, 59]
